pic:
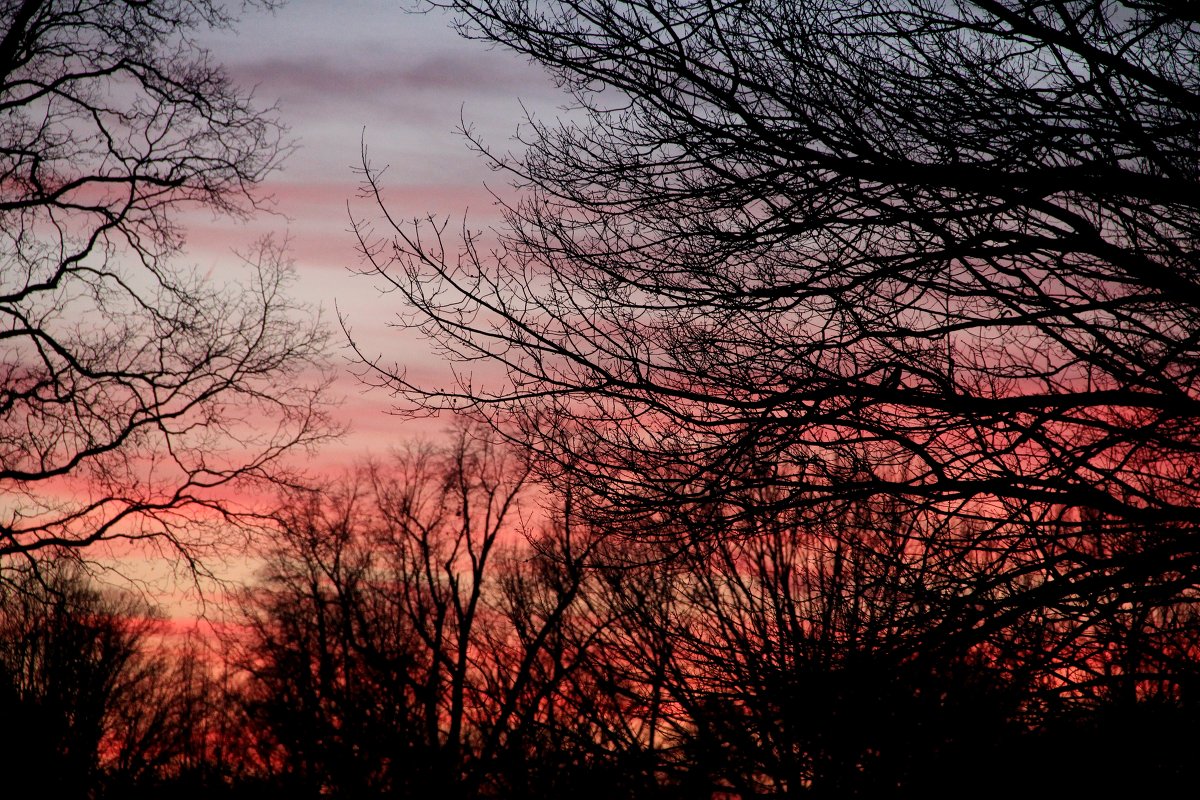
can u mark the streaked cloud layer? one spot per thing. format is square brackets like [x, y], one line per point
[359, 72]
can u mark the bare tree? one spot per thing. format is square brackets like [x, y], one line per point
[135, 393]
[403, 639]
[89, 697]
[944, 252]
[326, 669]
[775, 656]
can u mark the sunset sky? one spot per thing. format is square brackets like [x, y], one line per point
[341, 72]
[828, 427]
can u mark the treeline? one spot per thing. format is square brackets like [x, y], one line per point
[95, 700]
[426, 628]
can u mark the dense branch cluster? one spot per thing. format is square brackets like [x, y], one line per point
[791, 258]
[941, 251]
[403, 640]
[132, 387]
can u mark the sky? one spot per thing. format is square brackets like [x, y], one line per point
[343, 74]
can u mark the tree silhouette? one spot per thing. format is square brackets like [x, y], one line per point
[401, 640]
[134, 391]
[774, 656]
[942, 252]
[793, 660]
[92, 705]
[788, 658]
[328, 690]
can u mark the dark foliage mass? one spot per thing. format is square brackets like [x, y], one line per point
[404, 640]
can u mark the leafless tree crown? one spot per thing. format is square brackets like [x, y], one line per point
[134, 390]
[944, 251]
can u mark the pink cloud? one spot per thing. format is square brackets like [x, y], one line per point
[323, 78]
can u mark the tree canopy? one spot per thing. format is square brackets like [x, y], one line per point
[134, 391]
[937, 251]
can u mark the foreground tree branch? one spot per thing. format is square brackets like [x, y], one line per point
[940, 252]
[137, 398]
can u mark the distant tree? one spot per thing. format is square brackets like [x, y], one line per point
[135, 393]
[402, 639]
[938, 251]
[792, 660]
[92, 705]
[175, 731]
